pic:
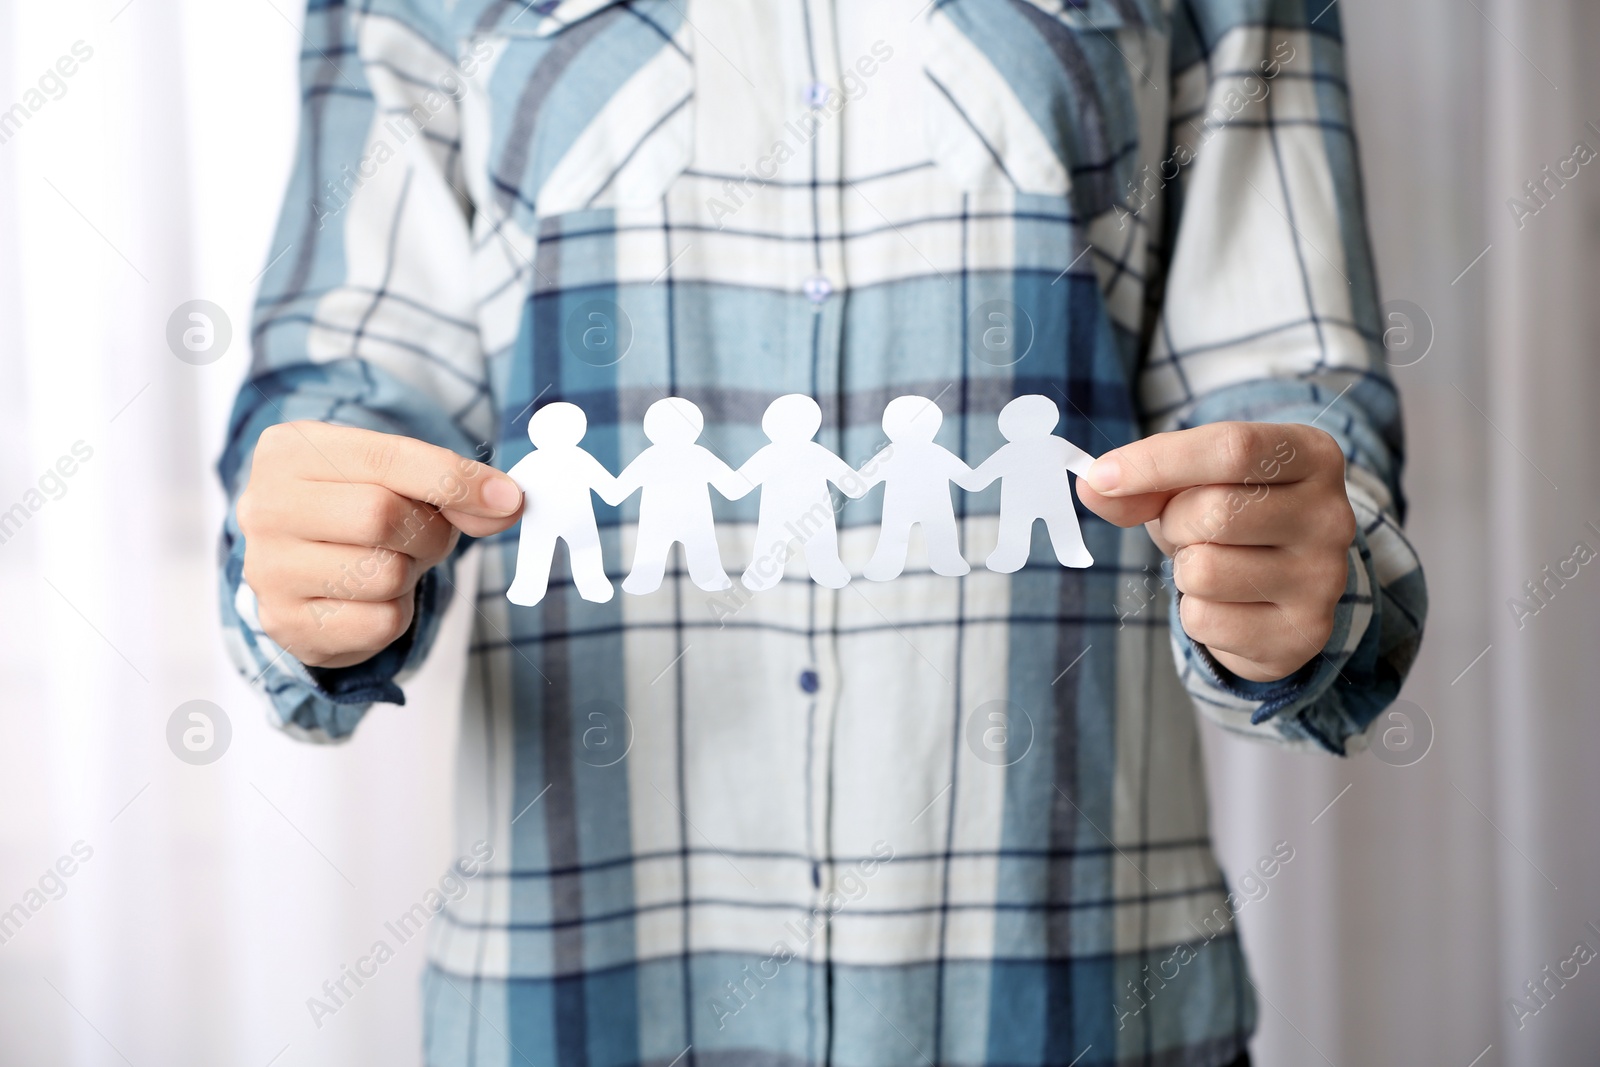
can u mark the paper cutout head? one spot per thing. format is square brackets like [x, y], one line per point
[793, 417]
[908, 419]
[1028, 417]
[673, 420]
[557, 425]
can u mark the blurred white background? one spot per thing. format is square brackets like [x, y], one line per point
[218, 898]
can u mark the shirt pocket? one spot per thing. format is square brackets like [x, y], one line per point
[590, 103]
[1035, 96]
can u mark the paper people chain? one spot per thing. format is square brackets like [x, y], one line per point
[674, 477]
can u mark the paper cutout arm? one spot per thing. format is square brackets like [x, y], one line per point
[521, 471]
[727, 481]
[631, 480]
[965, 476]
[984, 475]
[757, 468]
[603, 482]
[1078, 461]
[871, 472]
[845, 477]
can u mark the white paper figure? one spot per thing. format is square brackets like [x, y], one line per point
[1032, 468]
[676, 505]
[793, 473]
[556, 479]
[916, 474]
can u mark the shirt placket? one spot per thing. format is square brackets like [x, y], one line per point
[826, 289]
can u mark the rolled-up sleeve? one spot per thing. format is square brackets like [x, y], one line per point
[1267, 311]
[365, 317]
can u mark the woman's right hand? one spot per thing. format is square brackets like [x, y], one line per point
[341, 523]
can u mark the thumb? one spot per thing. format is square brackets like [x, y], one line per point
[1125, 511]
[475, 525]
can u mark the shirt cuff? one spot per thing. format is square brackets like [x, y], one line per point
[1311, 708]
[323, 704]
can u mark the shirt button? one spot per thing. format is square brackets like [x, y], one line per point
[816, 94]
[809, 681]
[818, 288]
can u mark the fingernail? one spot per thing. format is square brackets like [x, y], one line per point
[501, 493]
[1105, 475]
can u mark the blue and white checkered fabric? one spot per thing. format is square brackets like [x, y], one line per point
[935, 821]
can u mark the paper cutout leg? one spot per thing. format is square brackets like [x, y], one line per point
[650, 551]
[916, 474]
[588, 564]
[536, 552]
[556, 480]
[1016, 539]
[1032, 467]
[796, 508]
[822, 556]
[675, 476]
[536, 549]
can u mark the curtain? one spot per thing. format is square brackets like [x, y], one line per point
[216, 898]
[208, 901]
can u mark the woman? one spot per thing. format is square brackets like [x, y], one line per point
[942, 820]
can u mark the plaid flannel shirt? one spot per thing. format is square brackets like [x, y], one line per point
[939, 820]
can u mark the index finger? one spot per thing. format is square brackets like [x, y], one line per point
[414, 469]
[1219, 453]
